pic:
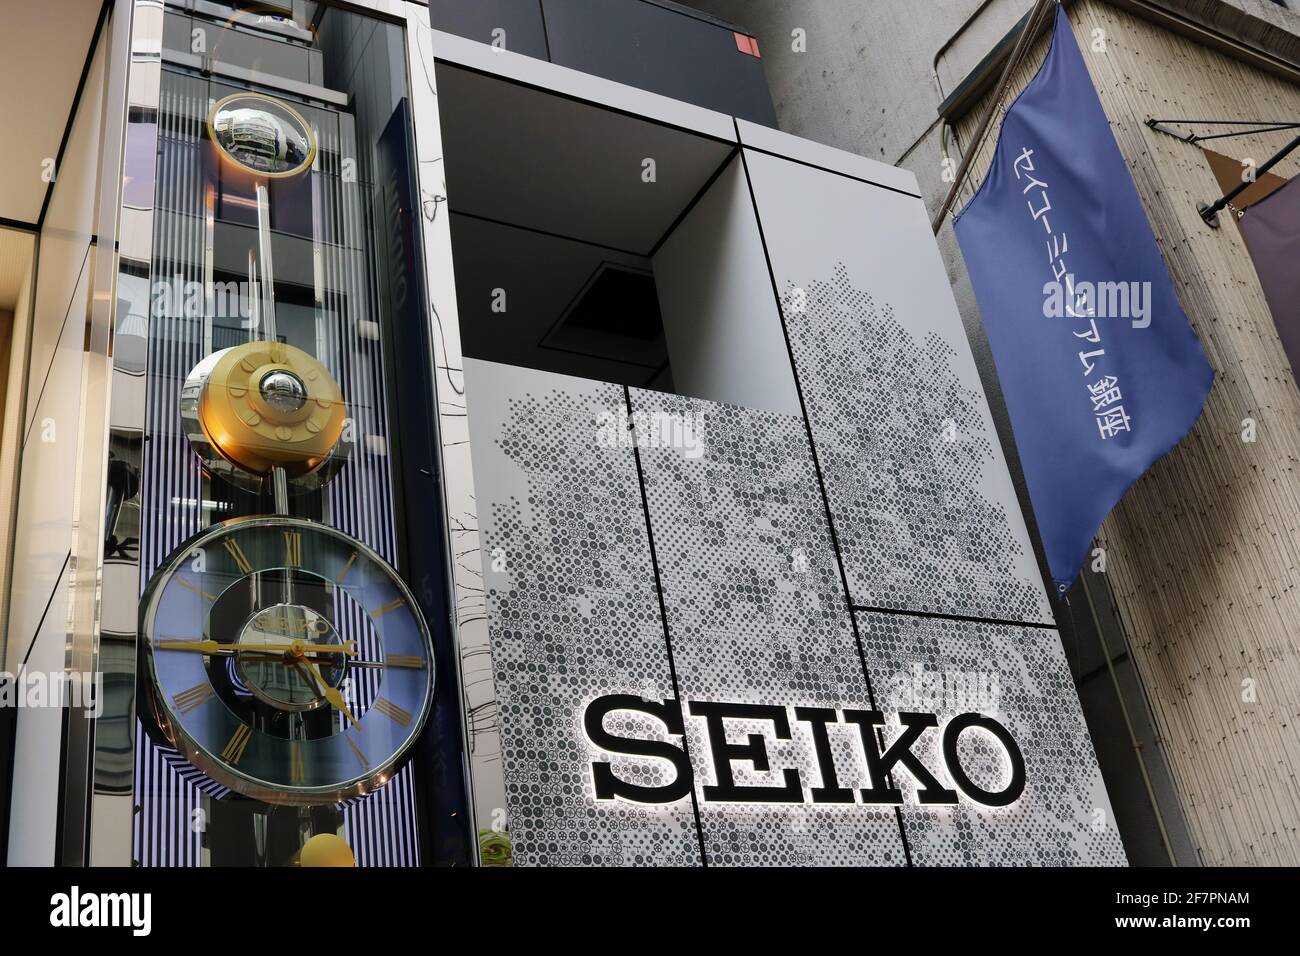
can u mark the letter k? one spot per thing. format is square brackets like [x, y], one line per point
[880, 766]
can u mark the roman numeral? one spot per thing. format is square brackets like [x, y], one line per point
[392, 605]
[394, 713]
[293, 549]
[241, 560]
[346, 568]
[297, 773]
[356, 752]
[403, 660]
[237, 745]
[196, 589]
[196, 696]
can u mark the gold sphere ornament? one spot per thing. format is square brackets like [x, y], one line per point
[265, 405]
[270, 405]
[326, 849]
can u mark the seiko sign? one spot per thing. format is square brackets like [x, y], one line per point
[885, 764]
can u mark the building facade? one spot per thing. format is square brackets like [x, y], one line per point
[458, 433]
[1194, 603]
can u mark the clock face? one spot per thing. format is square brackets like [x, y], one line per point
[286, 660]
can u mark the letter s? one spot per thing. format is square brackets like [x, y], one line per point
[608, 786]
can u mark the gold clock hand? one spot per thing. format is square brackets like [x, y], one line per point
[348, 648]
[331, 693]
[388, 662]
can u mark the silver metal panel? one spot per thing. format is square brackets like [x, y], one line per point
[923, 505]
[469, 623]
[756, 612]
[582, 86]
[1019, 676]
[834, 160]
[573, 612]
[720, 318]
[753, 611]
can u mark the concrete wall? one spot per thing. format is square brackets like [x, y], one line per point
[865, 83]
[866, 80]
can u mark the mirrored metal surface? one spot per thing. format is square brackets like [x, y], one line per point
[265, 136]
[242, 455]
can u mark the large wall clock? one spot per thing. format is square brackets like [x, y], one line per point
[258, 623]
[284, 659]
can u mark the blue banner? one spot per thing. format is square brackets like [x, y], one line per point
[1101, 371]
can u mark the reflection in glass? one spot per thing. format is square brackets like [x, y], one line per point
[265, 136]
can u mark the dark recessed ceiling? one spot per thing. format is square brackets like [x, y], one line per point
[618, 301]
[519, 155]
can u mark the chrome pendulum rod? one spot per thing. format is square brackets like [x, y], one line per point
[260, 821]
[267, 327]
[254, 298]
[280, 492]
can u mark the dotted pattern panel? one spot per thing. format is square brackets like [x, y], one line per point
[756, 613]
[573, 616]
[905, 449]
[1019, 676]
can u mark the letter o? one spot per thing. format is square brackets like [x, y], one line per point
[952, 733]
